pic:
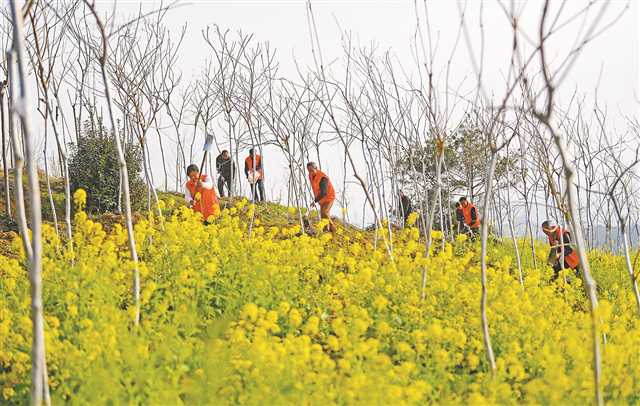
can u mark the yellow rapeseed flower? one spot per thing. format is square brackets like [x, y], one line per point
[80, 199]
[249, 312]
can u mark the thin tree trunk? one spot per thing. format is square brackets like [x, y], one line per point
[537, 213]
[151, 191]
[54, 215]
[384, 203]
[627, 256]
[448, 213]
[5, 164]
[432, 212]
[511, 228]
[585, 269]
[18, 159]
[120, 192]
[483, 261]
[627, 251]
[67, 203]
[64, 161]
[195, 129]
[232, 181]
[35, 261]
[527, 206]
[442, 228]
[515, 247]
[294, 189]
[164, 163]
[344, 190]
[122, 162]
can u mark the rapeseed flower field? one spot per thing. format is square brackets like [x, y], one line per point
[286, 318]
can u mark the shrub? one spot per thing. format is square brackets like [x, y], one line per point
[94, 167]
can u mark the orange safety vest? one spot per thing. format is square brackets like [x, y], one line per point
[571, 259]
[315, 186]
[208, 203]
[248, 164]
[466, 212]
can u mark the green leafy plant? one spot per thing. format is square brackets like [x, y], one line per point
[94, 167]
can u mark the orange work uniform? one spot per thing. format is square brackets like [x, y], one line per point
[468, 219]
[248, 165]
[325, 201]
[571, 258]
[207, 202]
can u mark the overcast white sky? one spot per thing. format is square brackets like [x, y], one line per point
[391, 25]
[610, 60]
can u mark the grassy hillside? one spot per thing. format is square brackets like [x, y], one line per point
[286, 318]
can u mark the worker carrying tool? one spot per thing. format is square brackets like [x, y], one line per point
[323, 193]
[560, 242]
[200, 194]
[471, 216]
[254, 173]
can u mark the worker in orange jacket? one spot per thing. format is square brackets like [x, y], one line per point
[254, 173]
[200, 194]
[559, 240]
[323, 193]
[471, 215]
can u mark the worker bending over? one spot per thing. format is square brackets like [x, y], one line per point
[200, 194]
[323, 193]
[559, 240]
[471, 215]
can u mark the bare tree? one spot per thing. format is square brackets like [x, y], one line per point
[39, 384]
[551, 80]
[6, 139]
[227, 53]
[101, 51]
[333, 119]
[620, 176]
[176, 113]
[5, 148]
[140, 65]
[47, 52]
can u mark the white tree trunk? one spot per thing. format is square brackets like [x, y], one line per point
[18, 158]
[585, 269]
[124, 176]
[622, 225]
[483, 261]
[21, 107]
[432, 213]
[5, 144]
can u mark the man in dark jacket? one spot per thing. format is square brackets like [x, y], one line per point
[461, 226]
[226, 172]
[404, 206]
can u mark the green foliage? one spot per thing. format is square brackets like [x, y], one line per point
[466, 155]
[94, 167]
